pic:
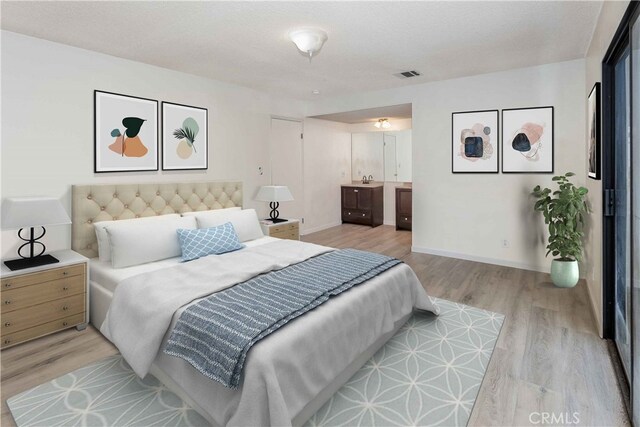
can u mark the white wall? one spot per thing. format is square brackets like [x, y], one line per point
[327, 165]
[403, 155]
[468, 216]
[610, 17]
[47, 123]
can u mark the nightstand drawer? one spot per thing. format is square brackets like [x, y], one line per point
[28, 296]
[40, 330]
[44, 276]
[287, 234]
[18, 320]
[282, 228]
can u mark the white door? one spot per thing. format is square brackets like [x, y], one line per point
[286, 165]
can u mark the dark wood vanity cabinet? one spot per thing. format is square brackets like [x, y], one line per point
[363, 205]
[403, 208]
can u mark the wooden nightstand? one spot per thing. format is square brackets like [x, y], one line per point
[290, 229]
[38, 301]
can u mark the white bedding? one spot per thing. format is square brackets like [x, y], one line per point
[286, 371]
[102, 272]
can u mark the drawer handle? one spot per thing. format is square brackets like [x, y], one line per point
[362, 214]
[7, 302]
[355, 191]
[7, 285]
[7, 341]
[64, 323]
[7, 324]
[64, 273]
[65, 288]
[406, 219]
[65, 308]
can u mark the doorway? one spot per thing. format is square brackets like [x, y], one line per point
[621, 184]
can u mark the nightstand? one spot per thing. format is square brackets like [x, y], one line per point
[41, 300]
[289, 229]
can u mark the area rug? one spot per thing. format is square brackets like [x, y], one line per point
[429, 373]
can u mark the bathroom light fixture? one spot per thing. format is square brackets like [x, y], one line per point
[309, 41]
[382, 123]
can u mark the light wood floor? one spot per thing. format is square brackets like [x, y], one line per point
[548, 357]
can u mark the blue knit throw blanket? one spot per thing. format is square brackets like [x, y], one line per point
[215, 334]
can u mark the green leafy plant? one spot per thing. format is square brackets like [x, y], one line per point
[563, 212]
[188, 131]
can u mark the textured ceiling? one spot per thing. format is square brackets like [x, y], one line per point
[401, 111]
[246, 42]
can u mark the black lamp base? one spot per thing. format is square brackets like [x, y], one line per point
[274, 214]
[36, 261]
[277, 220]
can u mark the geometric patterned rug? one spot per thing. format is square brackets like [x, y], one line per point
[105, 393]
[429, 373]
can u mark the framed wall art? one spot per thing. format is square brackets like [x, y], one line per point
[185, 137]
[125, 133]
[474, 142]
[527, 140]
[593, 132]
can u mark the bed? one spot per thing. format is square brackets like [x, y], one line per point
[289, 374]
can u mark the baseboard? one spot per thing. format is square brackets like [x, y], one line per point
[484, 260]
[389, 223]
[594, 311]
[319, 228]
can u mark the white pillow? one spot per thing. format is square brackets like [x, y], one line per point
[245, 222]
[215, 213]
[104, 249]
[138, 243]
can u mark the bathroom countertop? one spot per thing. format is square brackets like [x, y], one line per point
[407, 186]
[374, 184]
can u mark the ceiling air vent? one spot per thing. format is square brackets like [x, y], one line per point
[407, 74]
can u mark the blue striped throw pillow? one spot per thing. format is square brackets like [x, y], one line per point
[208, 241]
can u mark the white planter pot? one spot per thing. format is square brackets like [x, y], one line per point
[565, 274]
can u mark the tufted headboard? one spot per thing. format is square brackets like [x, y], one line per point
[111, 202]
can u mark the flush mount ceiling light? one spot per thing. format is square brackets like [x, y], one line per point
[309, 41]
[382, 123]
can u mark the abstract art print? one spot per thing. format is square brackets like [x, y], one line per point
[474, 142]
[184, 137]
[593, 132]
[527, 140]
[125, 133]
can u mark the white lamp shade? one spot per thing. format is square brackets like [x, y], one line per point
[274, 193]
[32, 212]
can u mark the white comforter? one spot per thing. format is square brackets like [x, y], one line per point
[278, 382]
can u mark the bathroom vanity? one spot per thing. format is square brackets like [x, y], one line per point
[363, 203]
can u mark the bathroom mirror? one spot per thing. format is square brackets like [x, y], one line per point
[386, 156]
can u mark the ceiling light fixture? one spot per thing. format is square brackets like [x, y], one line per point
[315, 92]
[309, 41]
[382, 123]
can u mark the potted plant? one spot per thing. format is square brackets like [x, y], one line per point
[563, 212]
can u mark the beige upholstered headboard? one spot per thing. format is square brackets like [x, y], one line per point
[111, 202]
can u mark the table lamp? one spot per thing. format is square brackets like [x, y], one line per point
[28, 213]
[274, 194]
